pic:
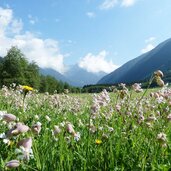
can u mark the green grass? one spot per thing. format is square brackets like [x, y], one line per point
[128, 142]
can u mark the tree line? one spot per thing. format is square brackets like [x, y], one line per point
[15, 68]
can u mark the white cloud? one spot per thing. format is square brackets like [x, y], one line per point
[150, 39]
[90, 14]
[149, 44]
[108, 4]
[127, 3]
[97, 63]
[148, 48]
[5, 19]
[45, 52]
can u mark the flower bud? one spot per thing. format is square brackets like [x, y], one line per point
[12, 164]
[137, 87]
[160, 82]
[169, 117]
[20, 128]
[56, 130]
[36, 128]
[26, 143]
[118, 107]
[17, 129]
[123, 93]
[69, 128]
[9, 117]
[159, 73]
[162, 138]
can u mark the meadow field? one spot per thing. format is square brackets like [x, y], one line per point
[121, 130]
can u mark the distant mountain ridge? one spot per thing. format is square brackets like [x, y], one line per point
[82, 77]
[56, 75]
[74, 76]
[141, 67]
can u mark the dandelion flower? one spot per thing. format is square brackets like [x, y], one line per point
[98, 141]
[27, 88]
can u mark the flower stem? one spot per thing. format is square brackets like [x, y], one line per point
[150, 81]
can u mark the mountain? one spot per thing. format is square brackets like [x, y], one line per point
[55, 74]
[74, 76]
[143, 66]
[82, 77]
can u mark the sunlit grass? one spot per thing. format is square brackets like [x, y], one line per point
[116, 131]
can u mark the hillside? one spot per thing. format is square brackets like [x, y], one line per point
[56, 75]
[143, 66]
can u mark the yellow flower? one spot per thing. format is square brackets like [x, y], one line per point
[27, 88]
[98, 141]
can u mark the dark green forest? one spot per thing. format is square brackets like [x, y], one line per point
[15, 68]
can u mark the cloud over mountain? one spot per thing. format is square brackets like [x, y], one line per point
[149, 44]
[147, 48]
[97, 63]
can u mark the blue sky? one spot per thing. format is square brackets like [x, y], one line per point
[98, 35]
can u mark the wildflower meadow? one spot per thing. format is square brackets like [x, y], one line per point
[127, 129]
